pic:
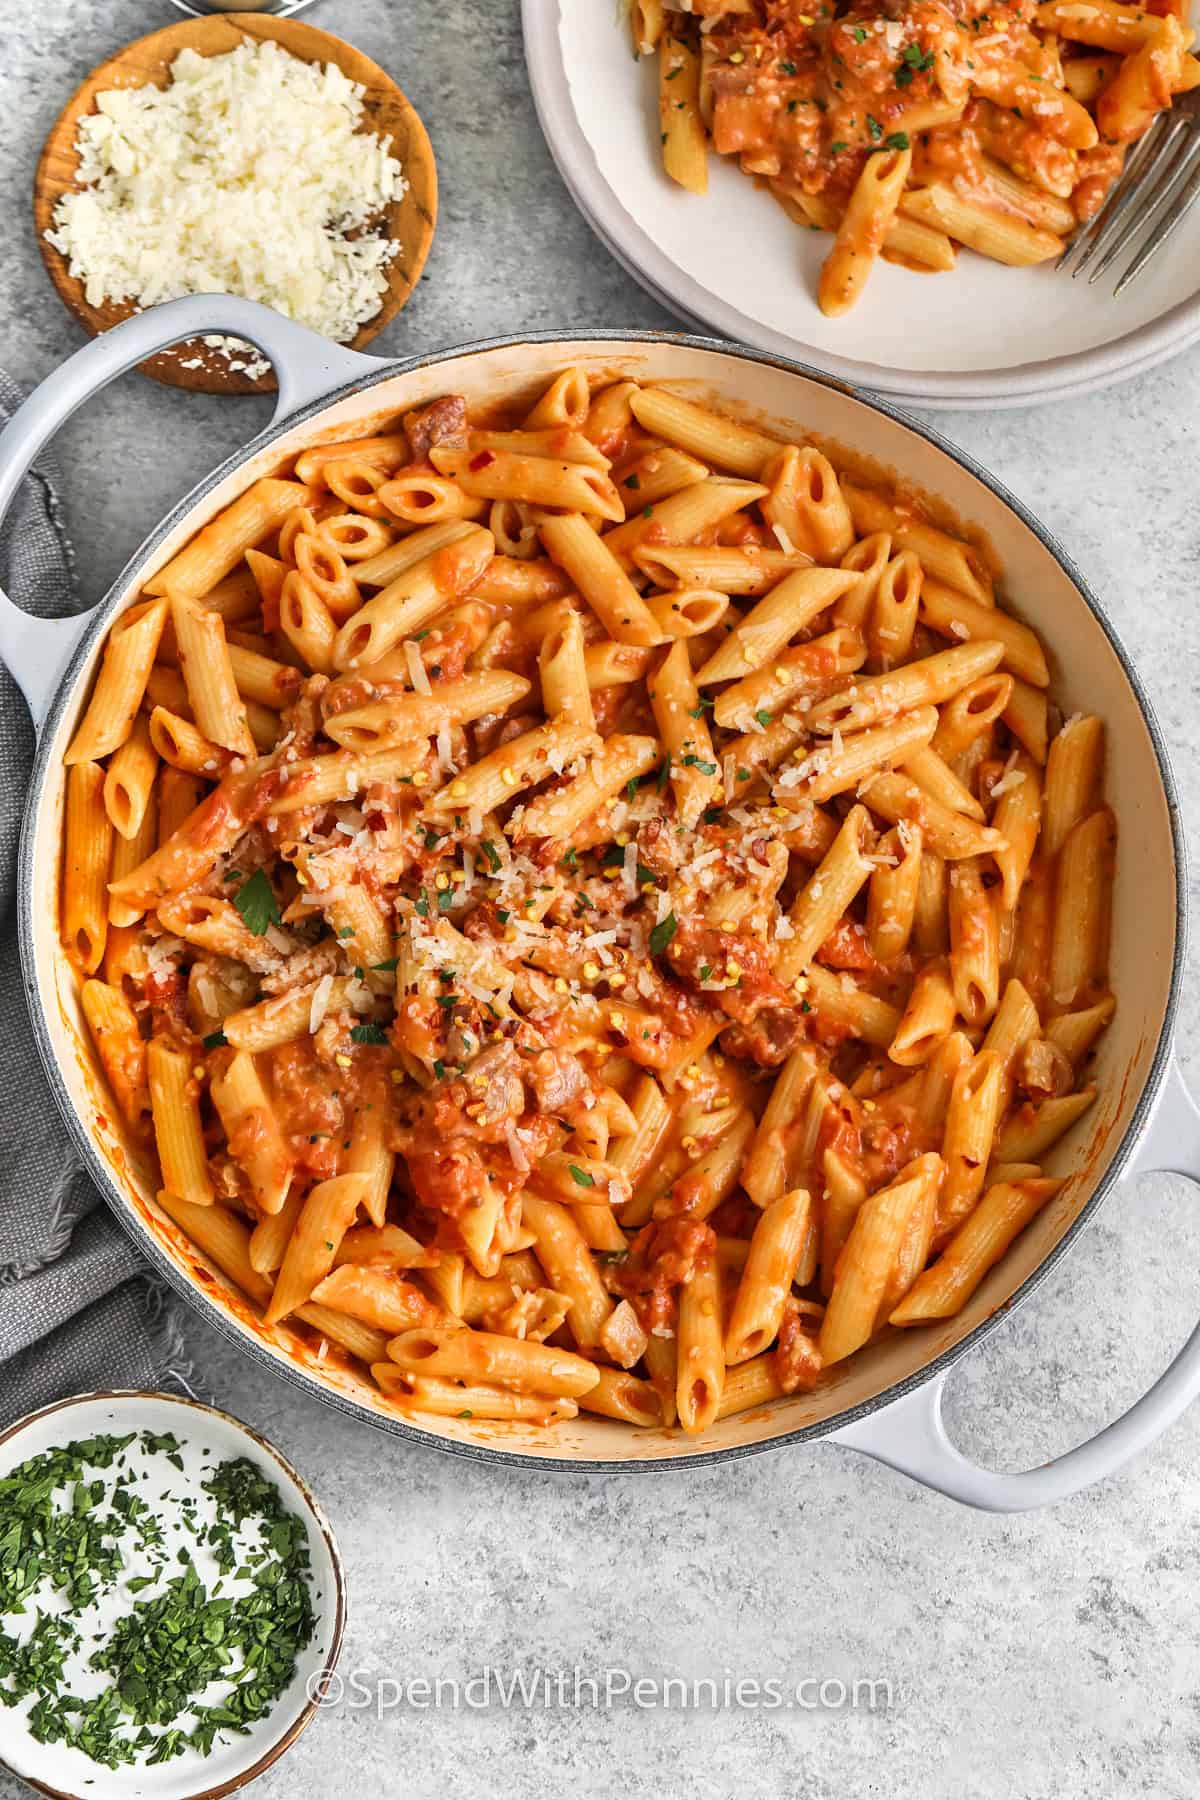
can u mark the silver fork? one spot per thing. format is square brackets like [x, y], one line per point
[1157, 188]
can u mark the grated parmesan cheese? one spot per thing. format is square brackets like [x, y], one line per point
[244, 176]
[1006, 783]
[416, 668]
[319, 1005]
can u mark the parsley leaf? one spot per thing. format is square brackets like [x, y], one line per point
[490, 851]
[662, 934]
[369, 1033]
[387, 966]
[214, 1040]
[255, 900]
[874, 129]
[580, 1177]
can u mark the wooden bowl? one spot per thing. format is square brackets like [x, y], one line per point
[386, 112]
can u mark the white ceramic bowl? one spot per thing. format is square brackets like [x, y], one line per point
[886, 1399]
[731, 261]
[67, 1774]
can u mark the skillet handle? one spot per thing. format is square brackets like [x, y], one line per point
[910, 1434]
[307, 367]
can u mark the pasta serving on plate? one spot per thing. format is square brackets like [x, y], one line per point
[909, 130]
[593, 908]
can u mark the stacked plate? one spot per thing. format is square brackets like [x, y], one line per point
[731, 261]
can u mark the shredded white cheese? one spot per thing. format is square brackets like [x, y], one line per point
[416, 668]
[244, 176]
[319, 1005]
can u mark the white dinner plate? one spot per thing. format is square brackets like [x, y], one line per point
[733, 261]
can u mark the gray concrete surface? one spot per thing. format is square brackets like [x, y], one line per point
[1037, 1657]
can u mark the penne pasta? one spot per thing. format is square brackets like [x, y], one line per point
[531, 970]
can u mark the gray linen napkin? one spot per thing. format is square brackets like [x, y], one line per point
[77, 1308]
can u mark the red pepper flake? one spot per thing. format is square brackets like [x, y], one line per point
[482, 460]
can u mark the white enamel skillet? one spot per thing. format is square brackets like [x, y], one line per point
[886, 1401]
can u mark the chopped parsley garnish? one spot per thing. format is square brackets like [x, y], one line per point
[255, 900]
[162, 1652]
[896, 140]
[632, 481]
[421, 907]
[439, 1068]
[570, 860]
[694, 762]
[490, 851]
[705, 971]
[580, 1177]
[346, 931]
[388, 965]
[840, 144]
[370, 1032]
[663, 775]
[503, 916]
[763, 716]
[662, 934]
[446, 900]
[787, 67]
[913, 61]
[874, 129]
[449, 1001]
[214, 1040]
[859, 35]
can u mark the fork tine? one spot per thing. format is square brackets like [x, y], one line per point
[1144, 167]
[1114, 204]
[1185, 198]
[1162, 194]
